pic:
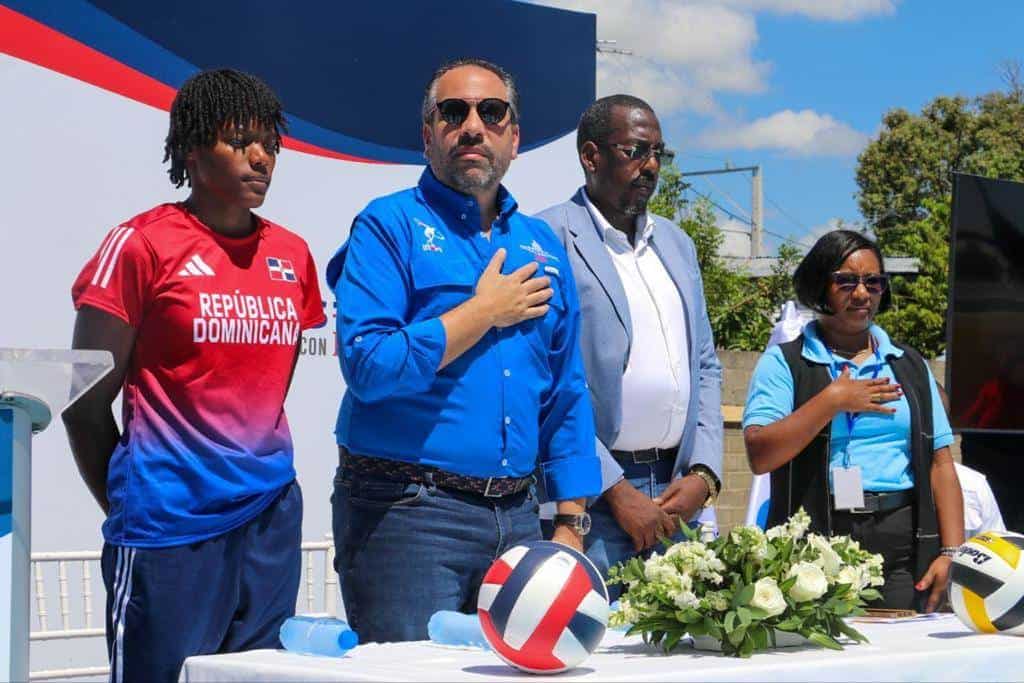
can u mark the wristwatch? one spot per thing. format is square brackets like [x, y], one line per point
[580, 522]
[711, 480]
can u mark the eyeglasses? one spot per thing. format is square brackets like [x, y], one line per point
[875, 283]
[491, 110]
[642, 151]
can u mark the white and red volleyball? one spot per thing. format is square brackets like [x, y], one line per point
[543, 607]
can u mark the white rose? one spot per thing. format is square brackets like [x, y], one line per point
[828, 559]
[853, 576]
[684, 599]
[810, 584]
[768, 597]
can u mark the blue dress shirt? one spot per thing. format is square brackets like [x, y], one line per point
[515, 400]
[879, 443]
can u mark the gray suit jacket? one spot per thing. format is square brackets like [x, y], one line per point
[607, 335]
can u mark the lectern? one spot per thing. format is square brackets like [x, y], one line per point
[35, 384]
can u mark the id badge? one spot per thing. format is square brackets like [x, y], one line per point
[848, 489]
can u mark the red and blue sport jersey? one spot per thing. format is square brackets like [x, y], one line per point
[206, 444]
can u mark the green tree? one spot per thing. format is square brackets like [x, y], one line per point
[905, 190]
[742, 309]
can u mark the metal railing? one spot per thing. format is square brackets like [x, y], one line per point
[317, 596]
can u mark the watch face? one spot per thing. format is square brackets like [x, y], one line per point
[584, 524]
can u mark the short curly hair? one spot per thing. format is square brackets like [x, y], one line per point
[206, 103]
[812, 277]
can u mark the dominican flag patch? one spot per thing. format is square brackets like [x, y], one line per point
[281, 269]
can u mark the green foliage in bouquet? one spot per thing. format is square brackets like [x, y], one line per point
[740, 588]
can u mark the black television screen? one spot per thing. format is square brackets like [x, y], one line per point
[985, 323]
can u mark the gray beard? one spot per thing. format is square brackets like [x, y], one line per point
[469, 183]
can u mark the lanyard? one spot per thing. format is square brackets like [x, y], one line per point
[851, 418]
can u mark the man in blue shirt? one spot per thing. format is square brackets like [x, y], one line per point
[458, 331]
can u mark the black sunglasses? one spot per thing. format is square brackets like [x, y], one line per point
[847, 282]
[641, 151]
[491, 110]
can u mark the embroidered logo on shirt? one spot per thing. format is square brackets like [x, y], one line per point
[195, 266]
[281, 269]
[430, 234]
[538, 252]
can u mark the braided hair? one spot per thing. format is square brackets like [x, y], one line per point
[211, 100]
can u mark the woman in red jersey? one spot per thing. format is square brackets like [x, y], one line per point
[202, 304]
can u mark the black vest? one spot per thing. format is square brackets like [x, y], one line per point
[803, 481]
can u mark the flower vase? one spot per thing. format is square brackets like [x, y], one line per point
[782, 639]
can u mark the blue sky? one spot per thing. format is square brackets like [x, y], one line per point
[798, 86]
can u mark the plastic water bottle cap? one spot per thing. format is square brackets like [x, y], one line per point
[348, 639]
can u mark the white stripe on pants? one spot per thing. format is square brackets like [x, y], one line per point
[122, 594]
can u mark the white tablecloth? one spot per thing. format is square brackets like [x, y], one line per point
[937, 650]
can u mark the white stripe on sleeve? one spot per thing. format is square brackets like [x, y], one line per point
[105, 251]
[113, 256]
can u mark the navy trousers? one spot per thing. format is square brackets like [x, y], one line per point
[228, 593]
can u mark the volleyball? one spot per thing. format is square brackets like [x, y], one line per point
[543, 607]
[987, 583]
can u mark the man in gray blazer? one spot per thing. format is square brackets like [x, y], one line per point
[654, 378]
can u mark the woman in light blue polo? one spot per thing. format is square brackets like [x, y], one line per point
[850, 425]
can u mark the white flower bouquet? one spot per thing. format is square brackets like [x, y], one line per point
[740, 589]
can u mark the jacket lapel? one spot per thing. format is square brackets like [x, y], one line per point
[590, 246]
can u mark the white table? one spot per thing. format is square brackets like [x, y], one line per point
[938, 650]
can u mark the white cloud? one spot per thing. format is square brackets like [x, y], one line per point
[685, 52]
[799, 133]
[831, 10]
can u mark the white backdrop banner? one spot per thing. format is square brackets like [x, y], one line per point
[83, 154]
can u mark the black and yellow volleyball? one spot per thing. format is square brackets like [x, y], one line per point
[987, 583]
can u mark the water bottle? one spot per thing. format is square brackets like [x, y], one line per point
[455, 628]
[317, 636]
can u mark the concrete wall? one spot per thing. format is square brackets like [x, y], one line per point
[737, 366]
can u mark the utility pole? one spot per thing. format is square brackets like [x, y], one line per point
[756, 213]
[756, 202]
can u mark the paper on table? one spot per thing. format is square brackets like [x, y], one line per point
[901, 620]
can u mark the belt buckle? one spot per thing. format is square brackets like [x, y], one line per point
[645, 460]
[487, 489]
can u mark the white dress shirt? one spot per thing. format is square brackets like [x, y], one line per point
[656, 384]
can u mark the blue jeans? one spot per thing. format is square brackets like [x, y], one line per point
[607, 544]
[405, 551]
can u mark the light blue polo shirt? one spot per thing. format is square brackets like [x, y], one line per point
[880, 443]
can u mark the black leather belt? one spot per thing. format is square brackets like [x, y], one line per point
[396, 470]
[883, 501]
[646, 456]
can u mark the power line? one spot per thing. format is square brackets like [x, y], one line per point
[741, 219]
[785, 213]
[795, 221]
[729, 197]
[721, 208]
